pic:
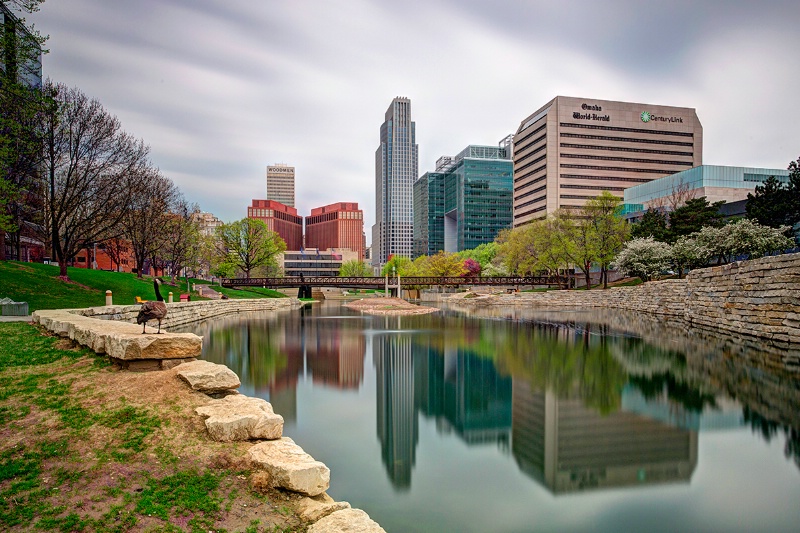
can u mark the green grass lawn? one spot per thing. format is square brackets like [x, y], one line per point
[86, 449]
[39, 285]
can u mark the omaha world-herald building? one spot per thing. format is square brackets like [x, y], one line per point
[572, 149]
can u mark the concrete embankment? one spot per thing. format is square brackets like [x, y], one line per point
[758, 298]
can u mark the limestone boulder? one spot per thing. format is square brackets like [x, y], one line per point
[127, 345]
[312, 509]
[205, 376]
[240, 418]
[290, 467]
[350, 520]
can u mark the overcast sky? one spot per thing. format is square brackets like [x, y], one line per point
[221, 89]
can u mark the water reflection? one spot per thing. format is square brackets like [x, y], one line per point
[576, 400]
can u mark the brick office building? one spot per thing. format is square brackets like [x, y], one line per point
[281, 219]
[336, 226]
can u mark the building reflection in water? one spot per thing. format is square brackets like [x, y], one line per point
[576, 405]
[568, 447]
[272, 354]
[395, 413]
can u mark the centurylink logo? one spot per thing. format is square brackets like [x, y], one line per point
[645, 116]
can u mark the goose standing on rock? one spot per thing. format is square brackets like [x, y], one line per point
[153, 310]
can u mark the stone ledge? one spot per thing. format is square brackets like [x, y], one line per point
[122, 341]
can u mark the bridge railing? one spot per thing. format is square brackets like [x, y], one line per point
[410, 281]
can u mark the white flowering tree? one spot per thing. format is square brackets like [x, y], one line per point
[689, 252]
[643, 257]
[742, 237]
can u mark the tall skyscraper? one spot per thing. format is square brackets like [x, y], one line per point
[280, 184]
[396, 164]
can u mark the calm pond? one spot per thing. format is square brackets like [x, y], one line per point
[511, 420]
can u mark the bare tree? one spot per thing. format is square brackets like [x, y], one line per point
[145, 221]
[181, 244]
[90, 166]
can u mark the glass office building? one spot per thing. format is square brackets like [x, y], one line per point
[466, 202]
[429, 214]
[716, 183]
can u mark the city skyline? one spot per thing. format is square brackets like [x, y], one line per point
[220, 92]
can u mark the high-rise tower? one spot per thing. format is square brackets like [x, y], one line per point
[396, 165]
[280, 184]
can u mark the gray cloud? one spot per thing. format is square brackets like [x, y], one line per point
[221, 90]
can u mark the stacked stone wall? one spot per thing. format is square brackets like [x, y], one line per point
[665, 297]
[180, 313]
[759, 297]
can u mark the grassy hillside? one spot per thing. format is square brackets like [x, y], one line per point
[40, 286]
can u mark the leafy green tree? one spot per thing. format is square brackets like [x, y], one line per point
[579, 241]
[770, 205]
[445, 264]
[610, 229]
[515, 249]
[20, 136]
[653, 224]
[794, 195]
[248, 244]
[695, 214]
[644, 257]
[401, 265]
[483, 254]
[554, 249]
[355, 268]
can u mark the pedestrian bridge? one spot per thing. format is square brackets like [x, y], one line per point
[407, 282]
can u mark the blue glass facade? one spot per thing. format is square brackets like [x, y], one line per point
[466, 203]
[716, 178]
[429, 214]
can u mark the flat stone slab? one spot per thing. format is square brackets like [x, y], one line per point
[239, 418]
[350, 520]
[291, 468]
[120, 340]
[205, 376]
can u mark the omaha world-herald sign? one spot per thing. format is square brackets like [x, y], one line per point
[589, 112]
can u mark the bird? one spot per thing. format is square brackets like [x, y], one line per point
[153, 310]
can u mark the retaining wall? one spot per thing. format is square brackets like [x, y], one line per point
[180, 313]
[759, 298]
